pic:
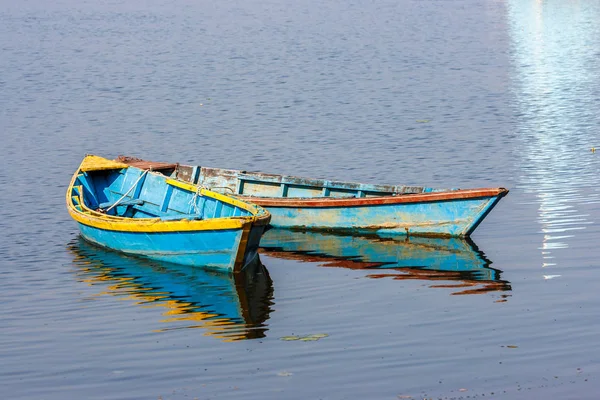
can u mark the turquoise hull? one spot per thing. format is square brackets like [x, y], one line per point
[215, 249]
[457, 218]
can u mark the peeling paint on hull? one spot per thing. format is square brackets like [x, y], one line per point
[437, 219]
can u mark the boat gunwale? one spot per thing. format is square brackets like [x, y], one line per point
[324, 202]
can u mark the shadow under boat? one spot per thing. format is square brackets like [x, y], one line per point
[401, 258]
[228, 307]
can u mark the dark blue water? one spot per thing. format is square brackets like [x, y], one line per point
[439, 93]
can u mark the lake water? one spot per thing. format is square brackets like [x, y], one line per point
[458, 93]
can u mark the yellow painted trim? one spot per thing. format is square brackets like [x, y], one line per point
[230, 200]
[181, 185]
[113, 223]
[141, 225]
[96, 163]
[217, 196]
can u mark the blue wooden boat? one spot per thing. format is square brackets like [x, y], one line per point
[319, 204]
[450, 262]
[225, 306]
[144, 213]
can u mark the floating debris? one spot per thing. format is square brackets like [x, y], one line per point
[318, 335]
[288, 338]
[423, 121]
[284, 373]
[307, 338]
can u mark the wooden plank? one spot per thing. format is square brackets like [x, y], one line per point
[130, 202]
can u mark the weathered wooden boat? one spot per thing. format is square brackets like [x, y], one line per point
[225, 306]
[319, 204]
[450, 262]
[147, 214]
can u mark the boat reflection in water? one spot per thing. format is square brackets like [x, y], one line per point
[229, 307]
[421, 258]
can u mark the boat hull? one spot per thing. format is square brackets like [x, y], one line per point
[210, 249]
[423, 215]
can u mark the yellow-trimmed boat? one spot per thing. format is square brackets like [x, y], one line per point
[144, 213]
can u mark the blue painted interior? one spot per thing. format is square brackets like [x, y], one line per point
[149, 197]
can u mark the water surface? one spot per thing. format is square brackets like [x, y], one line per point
[455, 93]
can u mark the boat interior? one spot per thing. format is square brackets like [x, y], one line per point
[136, 193]
[244, 183]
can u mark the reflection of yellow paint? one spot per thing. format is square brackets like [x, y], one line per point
[308, 338]
[176, 311]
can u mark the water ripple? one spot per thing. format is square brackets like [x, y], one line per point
[556, 91]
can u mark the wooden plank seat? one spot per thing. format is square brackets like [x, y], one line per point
[130, 202]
